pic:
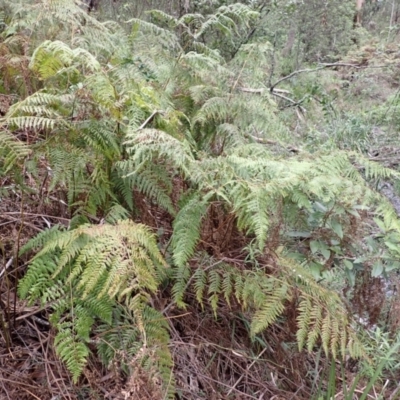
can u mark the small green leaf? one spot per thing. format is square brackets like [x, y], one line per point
[360, 260]
[354, 213]
[377, 269]
[392, 266]
[315, 269]
[351, 276]
[325, 253]
[380, 224]
[348, 264]
[314, 246]
[337, 228]
[392, 246]
[320, 207]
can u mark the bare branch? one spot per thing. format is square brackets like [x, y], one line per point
[323, 66]
[293, 102]
[153, 114]
[259, 91]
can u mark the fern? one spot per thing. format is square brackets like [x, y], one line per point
[72, 351]
[187, 229]
[322, 317]
[12, 151]
[101, 265]
[122, 333]
[112, 115]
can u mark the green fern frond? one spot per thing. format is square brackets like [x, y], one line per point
[116, 213]
[199, 284]
[11, 151]
[181, 278]
[226, 19]
[152, 143]
[102, 265]
[214, 289]
[165, 36]
[272, 308]
[73, 352]
[38, 278]
[153, 181]
[52, 57]
[41, 238]
[374, 170]
[162, 17]
[186, 232]
[126, 251]
[215, 108]
[322, 316]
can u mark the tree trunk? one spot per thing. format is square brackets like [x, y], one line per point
[359, 5]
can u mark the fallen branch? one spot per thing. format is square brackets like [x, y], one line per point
[153, 114]
[293, 102]
[322, 66]
[260, 91]
[278, 93]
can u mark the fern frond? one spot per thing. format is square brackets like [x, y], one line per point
[41, 238]
[154, 143]
[199, 284]
[38, 278]
[322, 316]
[273, 307]
[165, 36]
[11, 151]
[70, 350]
[51, 58]
[214, 289]
[186, 232]
[126, 251]
[181, 278]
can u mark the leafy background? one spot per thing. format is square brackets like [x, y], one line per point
[199, 200]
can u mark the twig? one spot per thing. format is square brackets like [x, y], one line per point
[248, 368]
[22, 222]
[293, 102]
[394, 394]
[260, 91]
[36, 215]
[153, 114]
[294, 73]
[9, 262]
[356, 66]
[322, 66]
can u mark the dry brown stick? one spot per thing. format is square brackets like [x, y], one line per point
[278, 93]
[259, 91]
[293, 102]
[36, 215]
[322, 66]
[227, 386]
[153, 114]
[23, 222]
[26, 390]
[16, 382]
[248, 368]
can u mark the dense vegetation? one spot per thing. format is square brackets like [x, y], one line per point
[199, 199]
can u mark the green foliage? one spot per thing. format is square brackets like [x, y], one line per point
[11, 151]
[371, 371]
[158, 125]
[86, 273]
[321, 313]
